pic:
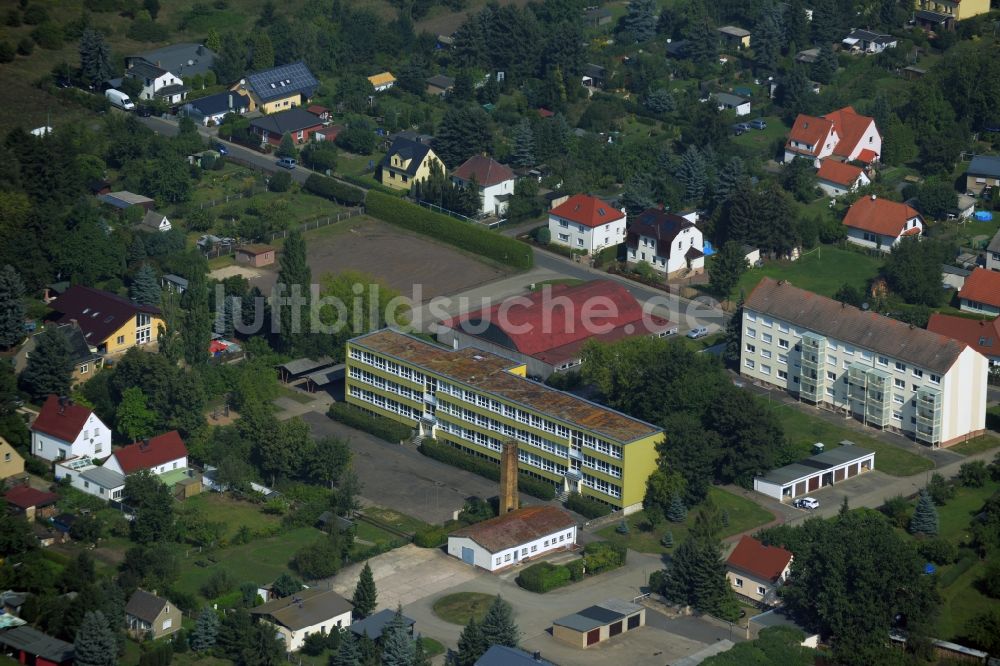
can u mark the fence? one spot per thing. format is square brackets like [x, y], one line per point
[231, 197]
[230, 248]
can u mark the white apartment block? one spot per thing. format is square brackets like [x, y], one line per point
[882, 372]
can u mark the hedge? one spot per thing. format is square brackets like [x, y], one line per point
[601, 556]
[543, 577]
[431, 536]
[370, 184]
[587, 507]
[464, 235]
[380, 426]
[328, 188]
[452, 456]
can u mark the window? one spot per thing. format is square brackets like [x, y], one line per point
[897, 416]
[499, 560]
[749, 363]
[899, 383]
[765, 369]
[917, 372]
[783, 359]
[579, 241]
[534, 547]
[829, 392]
[738, 582]
[6, 457]
[546, 542]
[766, 322]
[750, 316]
[898, 399]
[782, 374]
[766, 337]
[761, 591]
[751, 332]
[524, 552]
[783, 328]
[915, 387]
[167, 623]
[564, 224]
[564, 237]
[85, 368]
[507, 557]
[935, 379]
[562, 537]
[750, 348]
[866, 355]
[782, 343]
[831, 360]
[121, 339]
[900, 366]
[766, 353]
[832, 376]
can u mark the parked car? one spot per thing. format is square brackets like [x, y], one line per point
[807, 503]
[287, 163]
[144, 111]
[698, 332]
[222, 150]
[119, 99]
[740, 128]
[758, 124]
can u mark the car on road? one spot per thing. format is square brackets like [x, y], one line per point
[144, 111]
[758, 124]
[219, 148]
[807, 503]
[287, 163]
[698, 332]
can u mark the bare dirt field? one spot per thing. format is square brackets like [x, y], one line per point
[396, 257]
[443, 22]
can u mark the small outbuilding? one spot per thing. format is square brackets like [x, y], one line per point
[301, 367]
[821, 470]
[31, 503]
[374, 625]
[598, 623]
[514, 537]
[255, 255]
[27, 645]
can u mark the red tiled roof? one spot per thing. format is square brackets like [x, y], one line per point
[983, 286]
[25, 497]
[517, 527]
[981, 335]
[756, 559]
[486, 170]
[850, 127]
[867, 156]
[61, 422]
[880, 216]
[838, 172]
[811, 131]
[545, 113]
[161, 449]
[547, 325]
[587, 210]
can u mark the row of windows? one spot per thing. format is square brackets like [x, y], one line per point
[384, 384]
[506, 429]
[534, 548]
[386, 365]
[509, 411]
[385, 403]
[494, 444]
[602, 466]
[602, 486]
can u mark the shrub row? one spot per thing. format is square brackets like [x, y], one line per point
[543, 577]
[380, 426]
[598, 557]
[601, 556]
[432, 536]
[369, 183]
[464, 235]
[328, 188]
[587, 507]
[491, 470]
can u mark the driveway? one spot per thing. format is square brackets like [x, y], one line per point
[400, 478]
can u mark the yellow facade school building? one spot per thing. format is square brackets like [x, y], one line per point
[476, 401]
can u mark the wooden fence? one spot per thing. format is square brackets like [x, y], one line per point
[309, 225]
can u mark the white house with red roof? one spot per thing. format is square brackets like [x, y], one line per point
[161, 454]
[587, 224]
[755, 571]
[880, 224]
[844, 134]
[838, 178]
[494, 181]
[981, 292]
[64, 429]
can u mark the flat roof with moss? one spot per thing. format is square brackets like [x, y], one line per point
[490, 373]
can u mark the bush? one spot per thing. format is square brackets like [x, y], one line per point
[938, 550]
[466, 236]
[989, 582]
[7, 52]
[973, 474]
[219, 583]
[380, 426]
[280, 182]
[431, 536]
[587, 507]
[161, 654]
[940, 489]
[48, 35]
[897, 510]
[543, 577]
[26, 46]
[320, 156]
[35, 15]
[576, 569]
[601, 556]
[328, 188]
[486, 468]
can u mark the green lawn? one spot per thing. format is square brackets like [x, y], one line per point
[234, 513]
[760, 141]
[804, 430]
[743, 515]
[823, 271]
[459, 607]
[977, 445]
[260, 561]
[396, 519]
[292, 394]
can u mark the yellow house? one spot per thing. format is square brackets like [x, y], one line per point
[406, 162]
[111, 324]
[11, 462]
[934, 13]
[383, 81]
[278, 88]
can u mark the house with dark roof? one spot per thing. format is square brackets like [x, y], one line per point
[586, 224]
[843, 133]
[518, 536]
[728, 102]
[157, 82]
[546, 329]
[494, 181]
[669, 243]
[64, 429]
[993, 253]
[184, 59]
[373, 625]
[868, 42]
[880, 224]
[407, 161]
[595, 17]
[755, 571]
[86, 359]
[311, 611]
[110, 323]
[161, 454]
[297, 123]
[150, 616]
[154, 222]
[594, 76]
[982, 173]
[279, 88]
[211, 109]
[837, 178]
[983, 335]
[501, 655]
[439, 84]
[125, 199]
[26, 645]
[30, 502]
[881, 371]
[981, 292]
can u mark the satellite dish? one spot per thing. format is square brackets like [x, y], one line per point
[865, 306]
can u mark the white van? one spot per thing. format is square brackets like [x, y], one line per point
[119, 99]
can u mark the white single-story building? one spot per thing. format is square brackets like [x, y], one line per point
[514, 537]
[161, 454]
[83, 475]
[838, 178]
[730, 102]
[818, 471]
[311, 611]
[881, 224]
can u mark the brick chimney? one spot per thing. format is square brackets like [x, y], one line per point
[508, 477]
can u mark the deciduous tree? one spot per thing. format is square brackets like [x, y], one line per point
[133, 418]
